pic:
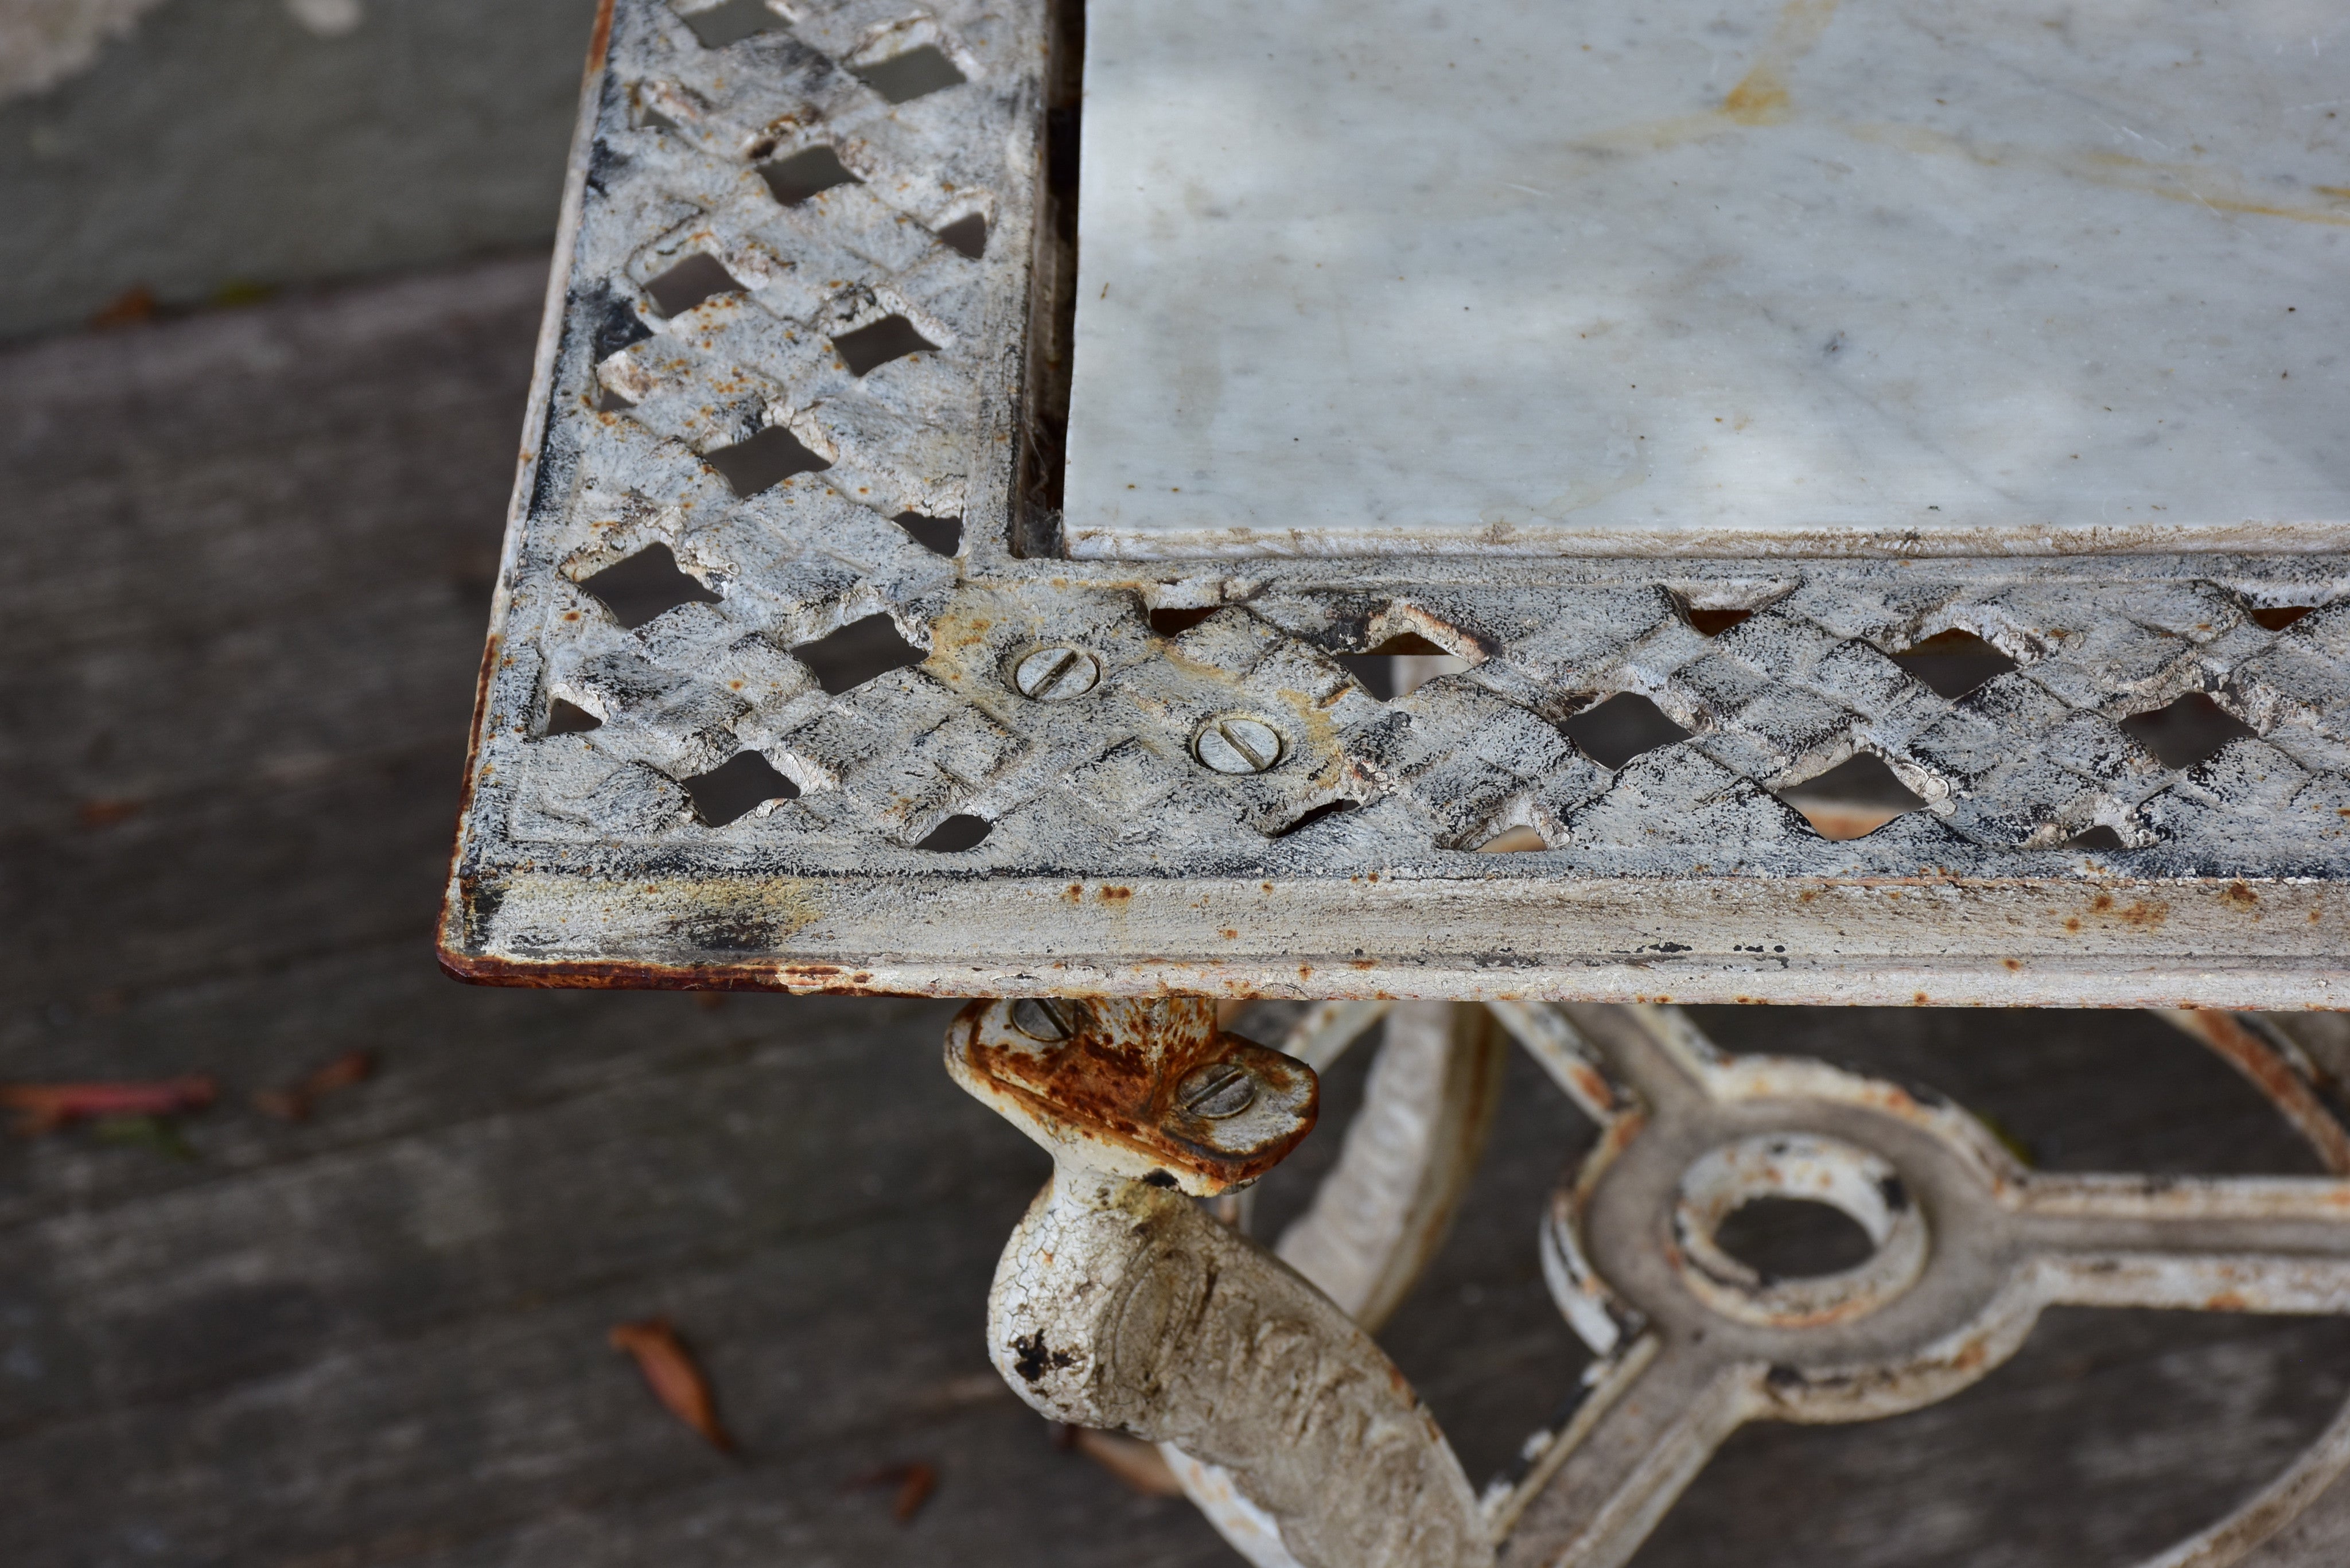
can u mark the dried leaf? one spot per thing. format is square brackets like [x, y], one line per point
[156, 1132]
[129, 308]
[914, 1480]
[670, 1371]
[106, 812]
[45, 1108]
[294, 1103]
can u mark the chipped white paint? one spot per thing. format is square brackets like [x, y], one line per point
[1116, 861]
[1119, 1303]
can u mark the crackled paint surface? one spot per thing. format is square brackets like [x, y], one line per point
[1112, 859]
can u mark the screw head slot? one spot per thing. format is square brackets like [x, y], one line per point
[1040, 1019]
[1237, 744]
[1216, 1091]
[1055, 673]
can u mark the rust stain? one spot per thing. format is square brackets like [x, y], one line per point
[1761, 97]
[2227, 1301]
[2245, 1050]
[2013, 965]
[2214, 189]
[1115, 1079]
[2239, 897]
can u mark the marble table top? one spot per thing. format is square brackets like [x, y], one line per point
[1686, 276]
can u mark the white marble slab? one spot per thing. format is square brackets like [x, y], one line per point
[1532, 275]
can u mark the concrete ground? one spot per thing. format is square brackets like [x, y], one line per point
[250, 553]
[225, 147]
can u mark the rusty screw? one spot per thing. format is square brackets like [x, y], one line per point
[1218, 1090]
[1237, 744]
[1041, 1020]
[1057, 673]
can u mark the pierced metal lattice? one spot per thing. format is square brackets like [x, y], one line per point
[1114, 857]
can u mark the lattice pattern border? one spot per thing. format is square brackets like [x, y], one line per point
[581, 853]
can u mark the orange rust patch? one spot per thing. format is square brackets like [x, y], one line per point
[2239, 897]
[2012, 963]
[1920, 1000]
[1075, 893]
[2073, 922]
[2226, 1301]
[1759, 99]
[1231, 935]
[1115, 895]
[2102, 902]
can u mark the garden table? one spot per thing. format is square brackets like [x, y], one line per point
[1501, 520]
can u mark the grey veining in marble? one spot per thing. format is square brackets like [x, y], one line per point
[1526, 275]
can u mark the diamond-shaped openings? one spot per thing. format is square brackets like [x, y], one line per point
[956, 833]
[730, 21]
[736, 787]
[1615, 732]
[1708, 621]
[1851, 799]
[647, 584]
[2276, 618]
[1400, 666]
[856, 653]
[763, 461]
[569, 719]
[1953, 662]
[902, 78]
[2186, 732]
[811, 171]
[871, 346]
[689, 282]
[967, 236]
[939, 535]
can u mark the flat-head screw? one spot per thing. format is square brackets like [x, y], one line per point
[1057, 673]
[1041, 1020]
[1237, 744]
[1218, 1090]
